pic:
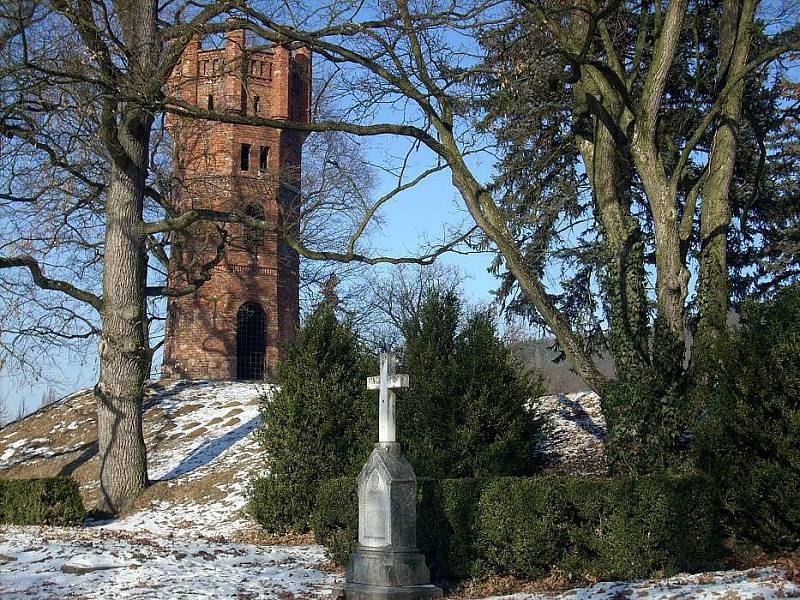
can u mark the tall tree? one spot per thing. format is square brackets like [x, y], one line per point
[618, 100]
[641, 104]
[662, 186]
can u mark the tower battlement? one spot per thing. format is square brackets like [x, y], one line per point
[231, 327]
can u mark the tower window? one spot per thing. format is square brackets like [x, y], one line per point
[210, 102]
[263, 158]
[256, 104]
[244, 164]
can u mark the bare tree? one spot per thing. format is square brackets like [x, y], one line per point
[390, 300]
[87, 202]
[21, 410]
[5, 413]
[49, 396]
[83, 80]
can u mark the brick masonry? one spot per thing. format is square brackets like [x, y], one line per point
[256, 266]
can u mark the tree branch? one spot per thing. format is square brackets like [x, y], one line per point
[46, 283]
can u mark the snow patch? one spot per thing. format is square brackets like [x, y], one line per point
[765, 584]
[90, 563]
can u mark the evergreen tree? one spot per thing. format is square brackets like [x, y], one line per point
[496, 433]
[748, 435]
[319, 424]
[465, 413]
[425, 411]
[714, 195]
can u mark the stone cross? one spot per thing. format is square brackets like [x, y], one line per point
[387, 382]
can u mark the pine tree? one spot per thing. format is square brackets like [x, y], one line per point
[319, 424]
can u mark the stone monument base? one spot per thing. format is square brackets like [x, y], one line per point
[383, 574]
[359, 591]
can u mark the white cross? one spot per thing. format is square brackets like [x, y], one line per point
[386, 382]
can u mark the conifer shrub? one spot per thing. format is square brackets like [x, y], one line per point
[748, 431]
[445, 516]
[465, 413]
[320, 423]
[45, 501]
[334, 519]
[587, 528]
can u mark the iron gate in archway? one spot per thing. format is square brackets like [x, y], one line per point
[251, 341]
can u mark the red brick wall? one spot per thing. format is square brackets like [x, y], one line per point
[201, 327]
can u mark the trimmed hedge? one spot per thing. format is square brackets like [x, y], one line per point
[47, 501]
[619, 528]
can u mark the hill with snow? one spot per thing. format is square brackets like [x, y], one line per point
[189, 536]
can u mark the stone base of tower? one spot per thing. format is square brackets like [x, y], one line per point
[230, 329]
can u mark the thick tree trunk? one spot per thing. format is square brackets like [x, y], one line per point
[124, 352]
[736, 27]
[621, 237]
[672, 275]
[124, 349]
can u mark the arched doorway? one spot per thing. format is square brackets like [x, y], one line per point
[251, 341]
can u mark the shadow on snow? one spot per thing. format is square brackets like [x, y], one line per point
[571, 410]
[211, 449]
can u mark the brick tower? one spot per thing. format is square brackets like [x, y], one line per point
[232, 325]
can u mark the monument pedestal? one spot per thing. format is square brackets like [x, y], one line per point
[356, 591]
[386, 565]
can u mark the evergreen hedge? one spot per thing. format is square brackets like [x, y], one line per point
[603, 528]
[46, 501]
[748, 429]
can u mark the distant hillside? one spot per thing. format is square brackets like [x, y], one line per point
[560, 377]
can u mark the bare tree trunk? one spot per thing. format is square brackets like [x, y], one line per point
[124, 353]
[124, 349]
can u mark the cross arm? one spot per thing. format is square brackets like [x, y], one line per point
[393, 382]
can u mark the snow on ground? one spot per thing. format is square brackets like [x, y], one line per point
[755, 584]
[185, 541]
[576, 443]
[206, 420]
[211, 427]
[188, 537]
[59, 563]
[60, 439]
